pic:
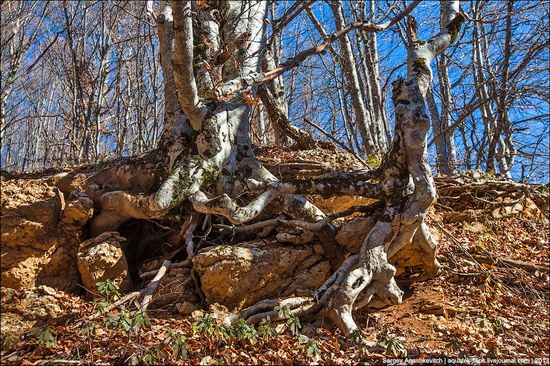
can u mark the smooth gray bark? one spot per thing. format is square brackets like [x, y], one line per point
[362, 115]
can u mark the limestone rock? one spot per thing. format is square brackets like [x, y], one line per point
[352, 233]
[186, 308]
[21, 309]
[41, 229]
[102, 258]
[240, 275]
[339, 203]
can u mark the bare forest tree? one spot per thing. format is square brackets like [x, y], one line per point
[224, 67]
[212, 55]
[91, 84]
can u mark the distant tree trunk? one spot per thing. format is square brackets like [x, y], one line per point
[372, 62]
[21, 30]
[506, 151]
[272, 95]
[362, 115]
[447, 164]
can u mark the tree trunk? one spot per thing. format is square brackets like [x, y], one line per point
[362, 115]
[210, 56]
[447, 153]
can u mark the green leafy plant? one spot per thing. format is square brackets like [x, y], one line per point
[266, 329]
[309, 347]
[393, 347]
[140, 319]
[355, 336]
[224, 332]
[245, 331]
[46, 336]
[179, 347]
[120, 322]
[295, 325]
[283, 311]
[100, 305]
[292, 320]
[204, 324]
[8, 340]
[155, 355]
[109, 289]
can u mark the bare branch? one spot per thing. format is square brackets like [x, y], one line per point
[234, 86]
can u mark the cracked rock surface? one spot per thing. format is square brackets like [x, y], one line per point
[240, 275]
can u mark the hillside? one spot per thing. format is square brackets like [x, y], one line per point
[490, 300]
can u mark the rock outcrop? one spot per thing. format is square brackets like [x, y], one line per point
[41, 229]
[240, 275]
[22, 309]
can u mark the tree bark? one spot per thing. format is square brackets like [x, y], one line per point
[205, 160]
[362, 115]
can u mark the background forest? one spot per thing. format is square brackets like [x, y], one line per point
[81, 83]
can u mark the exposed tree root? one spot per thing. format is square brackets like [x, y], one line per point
[369, 274]
[507, 262]
[221, 177]
[146, 294]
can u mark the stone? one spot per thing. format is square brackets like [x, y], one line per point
[238, 276]
[41, 229]
[352, 233]
[186, 308]
[102, 258]
[21, 309]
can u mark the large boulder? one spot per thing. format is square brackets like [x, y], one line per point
[353, 233]
[41, 230]
[238, 276]
[102, 258]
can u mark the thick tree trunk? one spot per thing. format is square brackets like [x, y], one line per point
[205, 157]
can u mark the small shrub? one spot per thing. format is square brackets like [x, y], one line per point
[155, 355]
[140, 319]
[179, 347]
[109, 289]
[120, 322]
[245, 331]
[100, 305]
[393, 347]
[224, 332]
[266, 329]
[283, 311]
[295, 325]
[204, 324]
[8, 340]
[46, 336]
[310, 347]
